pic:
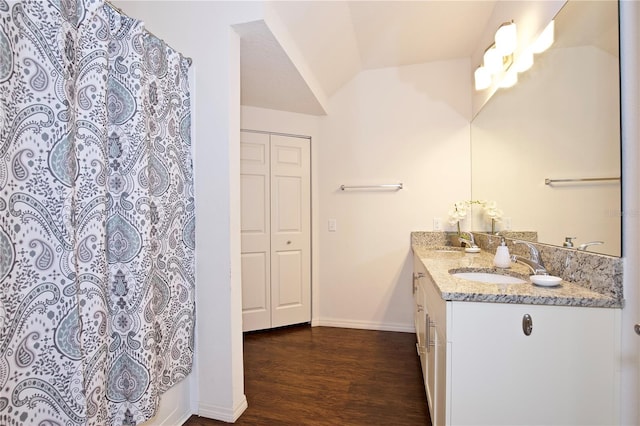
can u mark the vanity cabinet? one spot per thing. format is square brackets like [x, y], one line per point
[430, 311]
[483, 368]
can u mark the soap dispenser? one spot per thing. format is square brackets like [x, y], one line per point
[502, 258]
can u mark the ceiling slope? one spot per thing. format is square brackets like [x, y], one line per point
[305, 51]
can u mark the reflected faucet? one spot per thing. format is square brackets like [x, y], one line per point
[471, 242]
[584, 246]
[534, 262]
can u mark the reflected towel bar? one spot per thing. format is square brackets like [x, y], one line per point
[396, 186]
[550, 181]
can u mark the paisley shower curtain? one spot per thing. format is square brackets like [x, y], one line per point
[97, 226]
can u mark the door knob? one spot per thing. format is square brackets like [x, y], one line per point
[637, 328]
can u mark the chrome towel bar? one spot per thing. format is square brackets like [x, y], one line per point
[548, 181]
[396, 186]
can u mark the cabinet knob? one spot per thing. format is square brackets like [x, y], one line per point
[637, 328]
[527, 324]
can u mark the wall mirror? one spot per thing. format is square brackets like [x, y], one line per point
[560, 122]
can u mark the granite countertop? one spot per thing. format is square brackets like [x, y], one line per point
[440, 260]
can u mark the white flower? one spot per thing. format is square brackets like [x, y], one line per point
[460, 209]
[458, 212]
[492, 210]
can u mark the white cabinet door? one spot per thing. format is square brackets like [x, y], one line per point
[419, 313]
[420, 322]
[430, 321]
[562, 373]
[436, 352]
[275, 230]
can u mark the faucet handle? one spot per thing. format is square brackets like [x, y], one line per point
[534, 254]
[583, 247]
[471, 237]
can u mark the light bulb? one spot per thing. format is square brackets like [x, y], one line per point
[545, 40]
[506, 39]
[482, 78]
[524, 60]
[492, 61]
[509, 78]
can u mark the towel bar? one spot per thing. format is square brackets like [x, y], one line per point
[396, 186]
[548, 181]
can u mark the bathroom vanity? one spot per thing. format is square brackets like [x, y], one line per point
[508, 354]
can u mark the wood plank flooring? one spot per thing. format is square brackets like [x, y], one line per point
[312, 376]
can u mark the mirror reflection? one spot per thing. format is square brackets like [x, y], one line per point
[560, 122]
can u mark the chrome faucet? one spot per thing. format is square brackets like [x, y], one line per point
[471, 242]
[534, 262]
[584, 246]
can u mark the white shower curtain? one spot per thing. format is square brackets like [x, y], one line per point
[97, 226]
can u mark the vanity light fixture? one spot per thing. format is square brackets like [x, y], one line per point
[506, 38]
[498, 57]
[509, 79]
[492, 60]
[482, 78]
[545, 39]
[524, 61]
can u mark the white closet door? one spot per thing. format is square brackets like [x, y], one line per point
[255, 230]
[276, 230]
[290, 231]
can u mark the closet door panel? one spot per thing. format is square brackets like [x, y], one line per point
[288, 273]
[290, 230]
[256, 295]
[255, 230]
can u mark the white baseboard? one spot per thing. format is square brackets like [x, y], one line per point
[174, 407]
[223, 413]
[175, 419]
[364, 325]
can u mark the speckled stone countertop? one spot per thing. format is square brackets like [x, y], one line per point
[439, 260]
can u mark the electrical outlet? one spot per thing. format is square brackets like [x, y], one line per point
[507, 223]
[437, 224]
[332, 225]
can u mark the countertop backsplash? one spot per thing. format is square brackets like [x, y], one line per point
[597, 272]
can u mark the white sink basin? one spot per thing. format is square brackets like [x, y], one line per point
[488, 277]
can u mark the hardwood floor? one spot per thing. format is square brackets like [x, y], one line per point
[306, 375]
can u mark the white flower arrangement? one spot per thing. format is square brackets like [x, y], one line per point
[460, 209]
[493, 212]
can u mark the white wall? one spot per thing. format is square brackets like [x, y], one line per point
[202, 31]
[408, 124]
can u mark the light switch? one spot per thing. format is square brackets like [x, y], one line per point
[332, 225]
[437, 224]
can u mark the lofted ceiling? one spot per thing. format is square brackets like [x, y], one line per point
[332, 41]
[304, 51]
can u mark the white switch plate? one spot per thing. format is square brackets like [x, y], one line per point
[507, 223]
[437, 224]
[332, 225]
